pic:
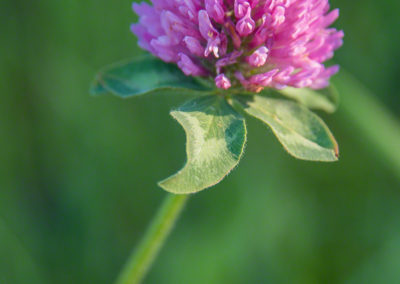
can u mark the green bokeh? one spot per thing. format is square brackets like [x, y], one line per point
[78, 174]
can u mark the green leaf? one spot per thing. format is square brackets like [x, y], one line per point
[302, 133]
[97, 89]
[216, 135]
[142, 76]
[326, 99]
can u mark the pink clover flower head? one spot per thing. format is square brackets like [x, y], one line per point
[252, 44]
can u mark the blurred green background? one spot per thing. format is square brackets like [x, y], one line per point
[78, 174]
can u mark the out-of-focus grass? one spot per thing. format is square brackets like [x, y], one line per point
[78, 174]
[374, 123]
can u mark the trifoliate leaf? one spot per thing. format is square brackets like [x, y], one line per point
[326, 99]
[302, 133]
[216, 135]
[144, 75]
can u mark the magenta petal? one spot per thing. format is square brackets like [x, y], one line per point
[245, 25]
[194, 46]
[222, 82]
[205, 26]
[215, 9]
[259, 57]
[263, 79]
[240, 8]
[188, 67]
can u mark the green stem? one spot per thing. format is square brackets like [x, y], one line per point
[143, 257]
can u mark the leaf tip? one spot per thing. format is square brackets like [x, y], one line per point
[337, 152]
[97, 87]
[163, 186]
